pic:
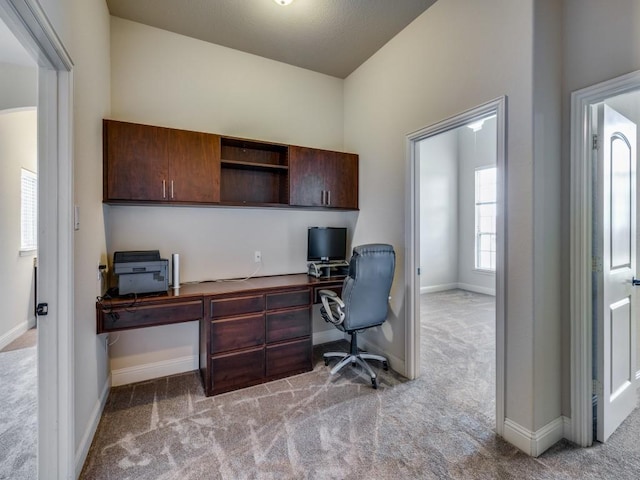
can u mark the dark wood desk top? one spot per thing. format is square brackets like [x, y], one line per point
[223, 287]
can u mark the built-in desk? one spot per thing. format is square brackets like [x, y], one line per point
[251, 331]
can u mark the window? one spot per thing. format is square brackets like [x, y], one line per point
[29, 211]
[486, 218]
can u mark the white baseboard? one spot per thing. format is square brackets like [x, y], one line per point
[15, 332]
[327, 336]
[94, 419]
[462, 286]
[567, 430]
[534, 443]
[439, 288]
[477, 289]
[140, 373]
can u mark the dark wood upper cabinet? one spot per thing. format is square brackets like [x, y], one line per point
[194, 167]
[322, 178]
[146, 163]
[135, 162]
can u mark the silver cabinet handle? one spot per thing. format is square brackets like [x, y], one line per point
[164, 189]
[322, 197]
[328, 197]
[171, 189]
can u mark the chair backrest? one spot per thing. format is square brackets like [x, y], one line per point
[365, 291]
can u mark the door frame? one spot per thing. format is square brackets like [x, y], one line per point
[580, 284]
[56, 443]
[412, 260]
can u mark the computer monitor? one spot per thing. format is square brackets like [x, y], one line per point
[326, 243]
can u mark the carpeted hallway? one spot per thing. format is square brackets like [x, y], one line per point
[19, 408]
[313, 426]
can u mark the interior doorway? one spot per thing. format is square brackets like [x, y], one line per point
[26, 20]
[480, 261]
[18, 240]
[604, 332]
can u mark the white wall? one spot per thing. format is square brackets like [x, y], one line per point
[475, 149]
[439, 212]
[18, 86]
[162, 78]
[89, 49]
[455, 56]
[18, 149]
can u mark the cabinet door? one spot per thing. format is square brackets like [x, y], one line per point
[308, 169]
[322, 178]
[135, 162]
[342, 181]
[194, 167]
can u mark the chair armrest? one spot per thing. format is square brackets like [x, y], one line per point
[331, 296]
[334, 315]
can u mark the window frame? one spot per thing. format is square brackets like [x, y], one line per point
[478, 233]
[28, 212]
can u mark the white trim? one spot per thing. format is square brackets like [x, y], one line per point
[438, 288]
[56, 445]
[566, 427]
[580, 253]
[412, 246]
[15, 332]
[477, 289]
[92, 426]
[327, 336]
[148, 371]
[462, 286]
[534, 443]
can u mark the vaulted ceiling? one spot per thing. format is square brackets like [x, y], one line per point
[333, 37]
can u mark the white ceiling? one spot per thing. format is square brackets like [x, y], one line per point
[328, 36]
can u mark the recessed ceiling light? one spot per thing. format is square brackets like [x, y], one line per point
[283, 2]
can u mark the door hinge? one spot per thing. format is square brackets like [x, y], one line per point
[596, 264]
[597, 387]
[418, 270]
[42, 309]
[594, 142]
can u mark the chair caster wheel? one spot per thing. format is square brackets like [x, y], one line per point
[374, 383]
[385, 366]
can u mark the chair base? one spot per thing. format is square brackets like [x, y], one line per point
[356, 357]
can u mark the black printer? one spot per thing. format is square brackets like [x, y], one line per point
[140, 272]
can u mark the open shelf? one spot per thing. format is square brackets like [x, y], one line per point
[251, 165]
[253, 173]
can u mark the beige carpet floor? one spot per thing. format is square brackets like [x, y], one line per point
[315, 426]
[19, 408]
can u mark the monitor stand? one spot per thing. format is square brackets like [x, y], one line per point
[327, 269]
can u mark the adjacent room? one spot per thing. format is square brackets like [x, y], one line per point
[18, 248]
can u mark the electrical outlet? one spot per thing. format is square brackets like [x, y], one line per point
[257, 256]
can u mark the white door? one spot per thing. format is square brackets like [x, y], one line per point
[615, 248]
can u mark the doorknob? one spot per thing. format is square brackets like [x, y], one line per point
[635, 282]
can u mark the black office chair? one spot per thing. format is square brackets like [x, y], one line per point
[364, 303]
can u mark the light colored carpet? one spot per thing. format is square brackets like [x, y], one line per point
[18, 414]
[315, 426]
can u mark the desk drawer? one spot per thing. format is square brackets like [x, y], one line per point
[288, 324]
[289, 358]
[235, 370]
[237, 332]
[226, 307]
[122, 318]
[296, 298]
